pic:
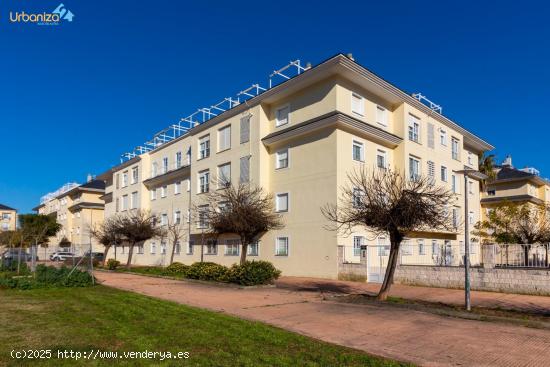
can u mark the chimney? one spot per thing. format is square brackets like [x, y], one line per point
[350, 56]
[89, 177]
[508, 162]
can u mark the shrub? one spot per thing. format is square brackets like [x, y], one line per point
[177, 268]
[112, 264]
[253, 273]
[208, 271]
[48, 276]
[11, 266]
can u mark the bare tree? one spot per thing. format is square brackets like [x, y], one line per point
[175, 231]
[135, 227]
[245, 210]
[386, 201]
[106, 233]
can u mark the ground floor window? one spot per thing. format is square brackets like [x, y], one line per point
[190, 245]
[211, 247]
[253, 249]
[140, 249]
[232, 247]
[358, 241]
[177, 250]
[163, 248]
[153, 248]
[281, 246]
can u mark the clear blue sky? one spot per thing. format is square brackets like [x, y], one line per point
[74, 97]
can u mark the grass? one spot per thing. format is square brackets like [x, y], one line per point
[82, 319]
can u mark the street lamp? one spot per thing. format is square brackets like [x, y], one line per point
[478, 176]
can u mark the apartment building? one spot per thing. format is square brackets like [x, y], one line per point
[77, 208]
[516, 186]
[298, 140]
[8, 218]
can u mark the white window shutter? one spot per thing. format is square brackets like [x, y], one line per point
[245, 169]
[431, 142]
[245, 129]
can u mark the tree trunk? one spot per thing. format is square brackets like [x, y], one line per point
[19, 261]
[395, 241]
[105, 253]
[173, 252]
[244, 249]
[130, 253]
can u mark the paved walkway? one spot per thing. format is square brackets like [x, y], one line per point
[407, 335]
[518, 302]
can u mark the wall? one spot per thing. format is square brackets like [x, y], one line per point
[523, 281]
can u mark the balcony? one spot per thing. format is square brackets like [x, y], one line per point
[169, 177]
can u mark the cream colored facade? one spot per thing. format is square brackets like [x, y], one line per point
[332, 107]
[8, 218]
[77, 209]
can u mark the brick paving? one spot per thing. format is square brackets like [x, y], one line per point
[403, 334]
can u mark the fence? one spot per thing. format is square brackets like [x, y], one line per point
[521, 256]
[438, 253]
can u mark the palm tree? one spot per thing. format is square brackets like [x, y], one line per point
[487, 167]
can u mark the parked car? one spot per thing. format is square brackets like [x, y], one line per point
[13, 254]
[61, 256]
[96, 256]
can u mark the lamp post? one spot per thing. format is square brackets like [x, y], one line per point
[478, 176]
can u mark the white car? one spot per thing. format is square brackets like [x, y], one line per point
[61, 256]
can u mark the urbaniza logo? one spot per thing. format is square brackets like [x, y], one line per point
[56, 17]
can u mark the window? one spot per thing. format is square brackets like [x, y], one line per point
[414, 129]
[124, 202]
[281, 246]
[117, 204]
[253, 249]
[461, 247]
[232, 247]
[443, 137]
[153, 248]
[163, 191]
[357, 104]
[211, 247]
[244, 176]
[381, 116]
[188, 184]
[204, 181]
[471, 217]
[140, 249]
[177, 188]
[6, 216]
[153, 194]
[443, 173]
[381, 159]
[431, 168]
[177, 248]
[224, 138]
[358, 151]
[357, 197]
[414, 168]
[454, 183]
[177, 163]
[177, 217]
[190, 245]
[281, 159]
[470, 159]
[188, 156]
[164, 164]
[435, 248]
[431, 143]
[455, 148]
[204, 147]
[134, 200]
[421, 248]
[282, 116]
[281, 202]
[164, 219]
[383, 247]
[188, 215]
[455, 217]
[407, 249]
[245, 129]
[163, 248]
[358, 241]
[224, 175]
[491, 192]
[135, 175]
[203, 216]
[471, 187]
[124, 177]
[154, 169]
[117, 180]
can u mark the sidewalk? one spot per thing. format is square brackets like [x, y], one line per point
[380, 329]
[454, 297]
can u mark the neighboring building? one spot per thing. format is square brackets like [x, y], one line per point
[516, 186]
[8, 218]
[298, 140]
[77, 208]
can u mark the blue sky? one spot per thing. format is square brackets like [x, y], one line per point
[74, 97]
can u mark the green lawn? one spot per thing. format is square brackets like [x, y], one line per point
[82, 319]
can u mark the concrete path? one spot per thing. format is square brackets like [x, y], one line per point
[407, 335]
[517, 302]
